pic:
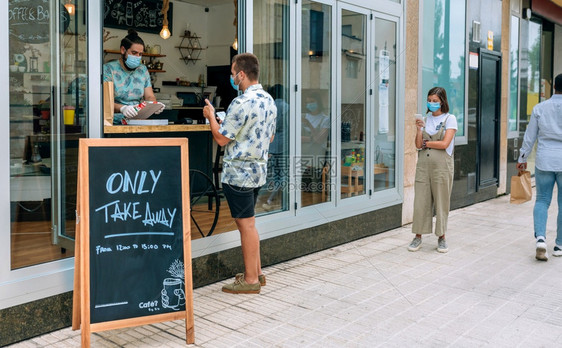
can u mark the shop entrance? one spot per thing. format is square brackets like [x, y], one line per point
[488, 118]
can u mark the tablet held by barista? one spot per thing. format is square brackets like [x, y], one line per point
[131, 80]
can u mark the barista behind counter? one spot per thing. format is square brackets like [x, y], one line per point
[130, 78]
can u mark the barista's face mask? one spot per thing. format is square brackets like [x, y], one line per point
[132, 62]
[433, 106]
[235, 86]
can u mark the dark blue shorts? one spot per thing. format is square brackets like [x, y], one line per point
[241, 200]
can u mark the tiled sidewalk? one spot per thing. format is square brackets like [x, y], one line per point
[487, 291]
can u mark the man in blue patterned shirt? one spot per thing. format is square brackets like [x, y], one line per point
[245, 133]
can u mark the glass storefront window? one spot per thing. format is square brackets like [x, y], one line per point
[271, 46]
[531, 53]
[384, 153]
[443, 54]
[353, 99]
[316, 117]
[513, 75]
[47, 117]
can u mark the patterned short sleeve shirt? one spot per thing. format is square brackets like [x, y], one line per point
[250, 123]
[129, 85]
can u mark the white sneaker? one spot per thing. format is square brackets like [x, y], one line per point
[557, 250]
[541, 255]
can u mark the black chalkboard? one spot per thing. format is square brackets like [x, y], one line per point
[136, 237]
[141, 15]
[132, 264]
[30, 20]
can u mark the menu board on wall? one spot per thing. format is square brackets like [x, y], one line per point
[133, 261]
[141, 15]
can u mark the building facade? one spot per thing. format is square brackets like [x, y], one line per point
[347, 77]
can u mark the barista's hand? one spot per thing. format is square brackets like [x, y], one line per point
[162, 107]
[129, 111]
[208, 110]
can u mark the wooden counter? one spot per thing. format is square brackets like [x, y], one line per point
[199, 136]
[156, 129]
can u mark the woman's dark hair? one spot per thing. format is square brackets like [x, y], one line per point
[442, 94]
[248, 63]
[131, 38]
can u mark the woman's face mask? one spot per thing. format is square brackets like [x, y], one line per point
[312, 107]
[433, 106]
[132, 62]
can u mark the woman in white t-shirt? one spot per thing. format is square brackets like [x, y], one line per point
[435, 140]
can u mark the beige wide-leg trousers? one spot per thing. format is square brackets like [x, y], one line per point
[433, 186]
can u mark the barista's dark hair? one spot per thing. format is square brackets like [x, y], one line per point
[558, 83]
[248, 63]
[131, 38]
[442, 94]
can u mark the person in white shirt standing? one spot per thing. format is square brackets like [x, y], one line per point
[545, 128]
[245, 133]
[435, 139]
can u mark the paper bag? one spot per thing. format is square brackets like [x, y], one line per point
[108, 103]
[521, 188]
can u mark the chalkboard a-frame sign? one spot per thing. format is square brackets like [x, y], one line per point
[133, 240]
[141, 15]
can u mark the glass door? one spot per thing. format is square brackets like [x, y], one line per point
[71, 120]
[315, 165]
[385, 85]
[353, 102]
[47, 116]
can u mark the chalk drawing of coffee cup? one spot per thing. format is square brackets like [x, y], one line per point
[172, 293]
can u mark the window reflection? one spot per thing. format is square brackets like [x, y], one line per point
[443, 58]
[316, 117]
[513, 75]
[353, 97]
[45, 128]
[385, 104]
[271, 46]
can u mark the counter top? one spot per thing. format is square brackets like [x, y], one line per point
[156, 129]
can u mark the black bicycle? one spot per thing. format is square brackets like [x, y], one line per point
[205, 203]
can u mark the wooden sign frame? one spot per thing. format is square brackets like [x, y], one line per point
[81, 314]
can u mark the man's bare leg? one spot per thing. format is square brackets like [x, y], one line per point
[250, 241]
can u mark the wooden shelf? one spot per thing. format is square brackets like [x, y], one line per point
[190, 48]
[144, 54]
[156, 71]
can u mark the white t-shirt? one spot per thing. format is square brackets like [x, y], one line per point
[434, 123]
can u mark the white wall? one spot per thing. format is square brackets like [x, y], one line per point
[214, 27]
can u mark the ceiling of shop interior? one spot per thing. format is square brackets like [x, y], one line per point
[206, 3]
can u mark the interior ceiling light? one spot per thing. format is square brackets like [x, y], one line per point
[235, 23]
[70, 7]
[165, 32]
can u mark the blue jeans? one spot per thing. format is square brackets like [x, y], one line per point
[545, 184]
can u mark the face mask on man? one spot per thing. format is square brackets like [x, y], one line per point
[312, 107]
[433, 106]
[132, 62]
[235, 86]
